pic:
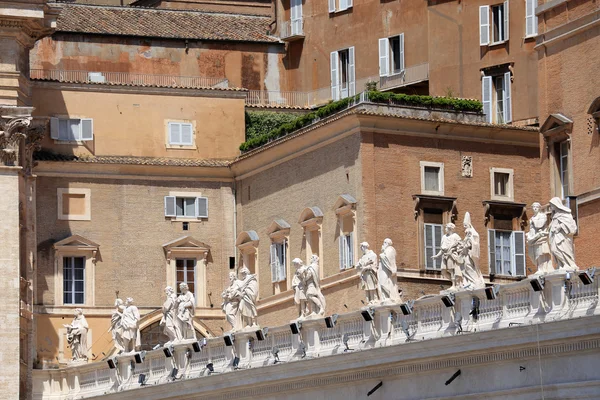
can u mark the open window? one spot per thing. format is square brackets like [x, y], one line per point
[342, 73]
[72, 129]
[187, 259]
[531, 21]
[74, 271]
[496, 95]
[432, 178]
[311, 220]
[339, 5]
[502, 184]
[279, 233]
[391, 55]
[186, 206]
[345, 209]
[493, 24]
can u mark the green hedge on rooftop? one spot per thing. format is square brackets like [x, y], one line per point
[258, 139]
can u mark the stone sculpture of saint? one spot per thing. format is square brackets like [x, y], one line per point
[186, 306]
[130, 326]
[312, 286]
[247, 293]
[388, 283]
[77, 336]
[537, 241]
[230, 303]
[167, 321]
[451, 257]
[367, 270]
[115, 325]
[299, 287]
[472, 277]
[562, 229]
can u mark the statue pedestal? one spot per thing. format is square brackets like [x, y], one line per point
[310, 335]
[554, 295]
[381, 330]
[241, 347]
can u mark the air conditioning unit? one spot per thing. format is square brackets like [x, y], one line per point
[96, 77]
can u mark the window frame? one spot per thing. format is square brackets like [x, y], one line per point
[72, 291]
[55, 129]
[346, 252]
[386, 56]
[180, 145]
[75, 246]
[564, 167]
[510, 195]
[530, 6]
[437, 263]
[487, 21]
[186, 260]
[490, 84]
[336, 6]
[279, 250]
[201, 204]
[513, 253]
[336, 66]
[431, 164]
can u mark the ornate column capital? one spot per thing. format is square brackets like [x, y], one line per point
[19, 138]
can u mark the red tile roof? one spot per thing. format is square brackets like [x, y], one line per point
[45, 155]
[144, 22]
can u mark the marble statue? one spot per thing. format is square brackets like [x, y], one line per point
[367, 270]
[247, 293]
[130, 326]
[115, 325]
[230, 303]
[451, 258]
[560, 236]
[537, 241]
[470, 249]
[467, 166]
[388, 283]
[77, 336]
[186, 306]
[167, 321]
[299, 288]
[312, 287]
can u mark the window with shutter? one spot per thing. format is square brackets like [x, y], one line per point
[507, 102]
[349, 3]
[170, 206]
[484, 25]
[334, 61]
[530, 18]
[401, 42]
[54, 128]
[519, 253]
[181, 134]
[350, 260]
[433, 238]
[505, 15]
[201, 207]
[87, 129]
[296, 17]
[332, 6]
[384, 57]
[274, 263]
[351, 77]
[492, 251]
[342, 250]
[281, 255]
[71, 129]
[343, 5]
[174, 133]
[486, 97]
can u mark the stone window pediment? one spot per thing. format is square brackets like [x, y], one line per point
[505, 210]
[279, 228]
[556, 128]
[446, 204]
[186, 245]
[311, 218]
[77, 243]
[247, 240]
[67, 253]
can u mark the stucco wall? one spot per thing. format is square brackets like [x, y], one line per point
[218, 122]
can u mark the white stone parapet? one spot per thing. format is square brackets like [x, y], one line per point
[563, 297]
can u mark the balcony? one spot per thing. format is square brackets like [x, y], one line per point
[130, 79]
[409, 76]
[292, 30]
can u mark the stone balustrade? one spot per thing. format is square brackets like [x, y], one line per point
[564, 296]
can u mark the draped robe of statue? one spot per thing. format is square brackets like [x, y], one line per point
[367, 269]
[562, 229]
[299, 288]
[451, 259]
[537, 241]
[131, 332]
[77, 338]
[168, 319]
[472, 277]
[313, 288]
[116, 328]
[231, 303]
[248, 292]
[387, 274]
[186, 306]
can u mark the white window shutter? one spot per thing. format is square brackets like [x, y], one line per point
[384, 57]
[486, 97]
[274, 263]
[343, 5]
[334, 65]
[342, 251]
[87, 129]
[492, 250]
[332, 6]
[174, 133]
[187, 134]
[437, 240]
[506, 20]
[54, 128]
[170, 210]
[518, 238]
[351, 73]
[350, 250]
[282, 261]
[484, 25]
[202, 207]
[401, 40]
[348, 3]
[429, 240]
[507, 99]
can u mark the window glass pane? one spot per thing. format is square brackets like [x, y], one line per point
[73, 130]
[67, 298]
[344, 68]
[179, 263]
[501, 183]
[432, 178]
[180, 276]
[496, 22]
[63, 129]
[179, 204]
[499, 88]
[79, 286]
[79, 273]
[190, 207]
[78, 298]
[190, 275]
[395, 56]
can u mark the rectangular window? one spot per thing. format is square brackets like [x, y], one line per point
[506, 250]
[339, 5]
[564, 168]
[186, 207]
[346, 243]
[501, 184]
[72, 129]
[296, 17]
[181, 134]
[73, 280]
[531, 21]
[493, 24]
[278, 261]
[496, 98]
[186, 273]
[433, 240]
[432, 178]
[391, 55]
[342, 73]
